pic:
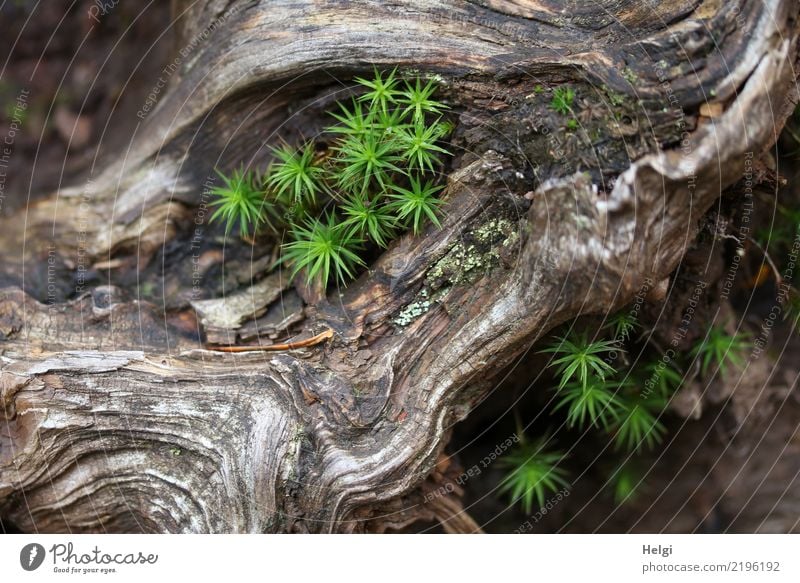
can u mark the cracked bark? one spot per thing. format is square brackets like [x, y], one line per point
[116, 421]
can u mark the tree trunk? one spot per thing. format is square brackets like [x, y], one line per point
[118, 419]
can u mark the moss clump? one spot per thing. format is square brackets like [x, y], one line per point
[376, 174]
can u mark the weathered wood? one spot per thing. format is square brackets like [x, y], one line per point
[123, 424]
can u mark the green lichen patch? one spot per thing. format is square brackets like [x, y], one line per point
[475, 254]
[414, 310]
[421, 305]
[478, 251]
[630, 76]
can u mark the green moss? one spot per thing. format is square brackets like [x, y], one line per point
[377, 176]
[563, 98]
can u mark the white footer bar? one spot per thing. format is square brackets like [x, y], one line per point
[399, 558]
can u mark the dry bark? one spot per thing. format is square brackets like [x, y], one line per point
[117, 421]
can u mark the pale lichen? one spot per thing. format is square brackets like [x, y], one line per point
[630, 76]
[414, 310]
[476, 253]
